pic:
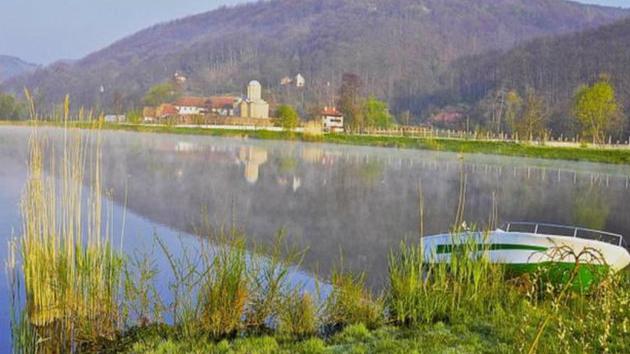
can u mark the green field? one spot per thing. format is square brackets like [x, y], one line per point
[590, 154]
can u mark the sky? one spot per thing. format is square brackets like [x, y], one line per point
[44, 31]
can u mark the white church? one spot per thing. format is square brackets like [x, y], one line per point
[253, 106]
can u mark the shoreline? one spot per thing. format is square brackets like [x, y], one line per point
[615, 156]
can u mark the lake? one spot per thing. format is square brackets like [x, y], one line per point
[338, 202]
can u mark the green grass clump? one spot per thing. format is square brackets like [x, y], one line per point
[225, 292]
[350, 303]
[298, 316]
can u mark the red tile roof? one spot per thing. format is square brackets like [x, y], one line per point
[166, 110]
[447, 117]
[331, 112]
[191, 102]
[219, 102]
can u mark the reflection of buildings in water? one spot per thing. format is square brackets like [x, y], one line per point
[253, 158]
[312, 154]
[296, 182]
[316, 155]
[184, 146]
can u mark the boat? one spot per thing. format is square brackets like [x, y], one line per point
[527, 247]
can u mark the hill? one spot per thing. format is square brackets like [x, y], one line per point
[554, 67]
[397, 47]
[11, 67]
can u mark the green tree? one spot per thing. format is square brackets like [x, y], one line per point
[513, 109]
[532, 121]
[9, 107]
[350, 101]
[597, 110]
[287, 117]
[161, 93]
[134, 116]
[376, 114]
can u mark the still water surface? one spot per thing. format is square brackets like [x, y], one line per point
[335, 201]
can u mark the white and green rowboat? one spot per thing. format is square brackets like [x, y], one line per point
[526, 247]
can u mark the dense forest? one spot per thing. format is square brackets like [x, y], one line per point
[554, 68]
[400, 50]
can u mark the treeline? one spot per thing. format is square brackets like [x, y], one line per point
[11, 108]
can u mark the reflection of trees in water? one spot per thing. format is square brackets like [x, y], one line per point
[371, 172]
[591, 208]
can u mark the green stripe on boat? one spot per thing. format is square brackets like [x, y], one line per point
[444, 249]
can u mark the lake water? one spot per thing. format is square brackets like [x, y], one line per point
[353, 203]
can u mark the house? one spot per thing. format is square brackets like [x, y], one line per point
[300, 81]
[149, 114]
[166, 110]
[253, 106]
[191, 106]
[115, 118]
[179, 78]
[449, 118]
[224, 106]
[332, 120]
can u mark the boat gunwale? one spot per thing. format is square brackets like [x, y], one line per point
[576, 229]
[538, 235]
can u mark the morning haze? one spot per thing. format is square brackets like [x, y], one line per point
[315, 176]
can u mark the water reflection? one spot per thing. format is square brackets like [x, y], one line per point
[354, 201]
[252, 157]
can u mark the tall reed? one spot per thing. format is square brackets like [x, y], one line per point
[424, 290]
[71, 270]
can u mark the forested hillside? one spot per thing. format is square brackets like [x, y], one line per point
[398, 48]
[552, 67]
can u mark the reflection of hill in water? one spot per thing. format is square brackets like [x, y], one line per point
[359, 200]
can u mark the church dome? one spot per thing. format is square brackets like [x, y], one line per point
[254, 91]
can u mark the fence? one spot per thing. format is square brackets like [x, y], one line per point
[430, 133]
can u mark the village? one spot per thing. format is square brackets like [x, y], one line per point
[248, 111]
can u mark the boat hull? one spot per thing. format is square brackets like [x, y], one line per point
[521, 253]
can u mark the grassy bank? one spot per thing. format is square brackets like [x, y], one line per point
[590, 154]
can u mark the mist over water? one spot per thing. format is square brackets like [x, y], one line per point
[350, 202]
